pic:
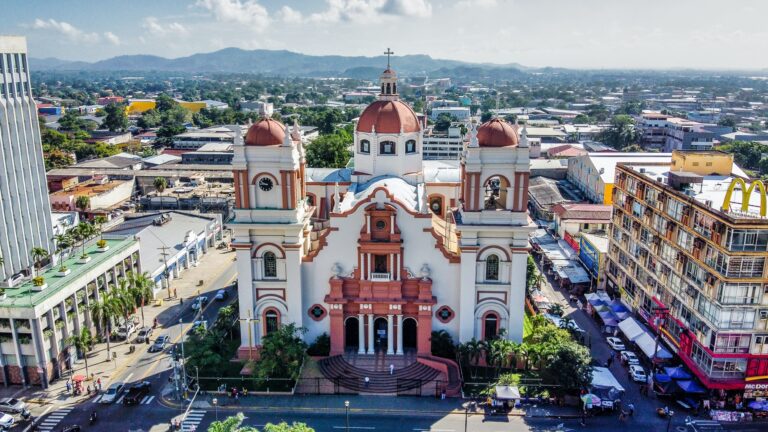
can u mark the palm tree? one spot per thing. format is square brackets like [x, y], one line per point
[538, 279]
[99, 221]
[103, 313]
[474, 349]
[82, 342]
[160, 184]
[63, 242]
[85, 232]
[142, 289]
[82, 202]
[556, 309]
[38, 254]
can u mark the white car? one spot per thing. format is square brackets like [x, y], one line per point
[615, 343]
[630, 358]
[199, 303]
[637, 373]
[112, 393]
[6, 421]
[125, 330]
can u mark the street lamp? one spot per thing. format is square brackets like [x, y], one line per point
[346, 408]
[466, 414]
[216, 404]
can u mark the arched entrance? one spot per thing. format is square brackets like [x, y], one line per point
[380, 334]
[490, 326]
[410, 333]
[351, 333]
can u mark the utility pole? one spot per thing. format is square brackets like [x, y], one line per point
[164, 252]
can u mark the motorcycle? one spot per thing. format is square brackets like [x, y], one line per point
[92, 418]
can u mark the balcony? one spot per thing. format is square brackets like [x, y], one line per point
[380, 277]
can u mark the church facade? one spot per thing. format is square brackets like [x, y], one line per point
[380, 254]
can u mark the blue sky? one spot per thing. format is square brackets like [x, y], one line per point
[569, 33]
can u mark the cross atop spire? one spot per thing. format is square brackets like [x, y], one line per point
[388, 52]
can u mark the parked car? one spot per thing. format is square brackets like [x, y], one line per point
[137, 392]
[630, 358]
[615, 343]
[12, 406]
[199, 323]
[112, 393]
[159, 344]
[637, 373]
[199, 303]
[125, 330]
[221, 295]
[144, 334]
[6, 421]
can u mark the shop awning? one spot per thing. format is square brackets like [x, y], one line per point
[662, 378]
[507, 392]
[690, 386]
[631, 329]
[646, 343]
[603, 378]
[678, 373]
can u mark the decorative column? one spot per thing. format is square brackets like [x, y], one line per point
[360, 333]
[390, 335]
[40, 351]
[399, 335]
[466, 312]
[423, 345]
[337, 329]
[370, 334]
[245, 292]
[293, 284]
[516, 301]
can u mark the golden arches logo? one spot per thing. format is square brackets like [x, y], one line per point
[746, 194]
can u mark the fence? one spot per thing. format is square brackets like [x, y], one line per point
[252, 384]
[353, 386]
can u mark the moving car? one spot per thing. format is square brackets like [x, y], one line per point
[137, 392]
[6, 421]
[12, 406]
[199, 303]
[221, 295]
[637, 373]
[159, 344]
[615, 343]
[125, 330]
[112, 393]
[630, 358]
[144, 334]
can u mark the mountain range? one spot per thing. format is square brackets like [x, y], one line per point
[275, 63]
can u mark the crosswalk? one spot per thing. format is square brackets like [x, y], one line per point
[145, 401]
[194, 417]
[53, 419]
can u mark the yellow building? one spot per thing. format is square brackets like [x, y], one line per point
[138, 106]
[702, 162]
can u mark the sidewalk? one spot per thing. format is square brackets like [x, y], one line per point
[211, 266]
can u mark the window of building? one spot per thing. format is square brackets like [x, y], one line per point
[745, 267]
[492, 268]
[387, 148]
[675, 209]
[271, 321]
[365, 146]
[270, 265]
[445, 314]
[740, 293]
[731, 343]
[747, 240]
[317, 312]
[410, 146]
[490, 326]
[380, 263]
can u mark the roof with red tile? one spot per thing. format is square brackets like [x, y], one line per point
[583, 211]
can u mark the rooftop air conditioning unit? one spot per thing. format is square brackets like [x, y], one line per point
[642, 170]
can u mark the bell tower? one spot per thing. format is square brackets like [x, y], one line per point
[388, 81]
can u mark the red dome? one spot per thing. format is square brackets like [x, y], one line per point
[496, 133]
[388, 117]
[265, 132]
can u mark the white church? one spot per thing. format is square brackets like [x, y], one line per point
[381, 253]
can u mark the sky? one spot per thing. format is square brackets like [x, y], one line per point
[585, 34]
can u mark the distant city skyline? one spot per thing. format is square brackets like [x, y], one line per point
[588, 34]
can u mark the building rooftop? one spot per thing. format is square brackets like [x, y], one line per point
[217, 147]
[89, 188]
[597, 212]
[117, 161]
[605, 163]
[24, 296]
[598, 240]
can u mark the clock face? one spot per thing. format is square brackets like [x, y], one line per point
[265, 183]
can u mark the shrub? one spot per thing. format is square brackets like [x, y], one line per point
[321, 346]
[101, 243]
[38, 281]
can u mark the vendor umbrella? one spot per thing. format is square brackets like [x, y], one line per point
[759, 405]
[78, 378]
[590, 400]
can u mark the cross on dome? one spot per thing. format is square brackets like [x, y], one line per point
[388, 52]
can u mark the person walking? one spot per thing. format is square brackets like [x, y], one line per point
[391, 368]
[367, 381]
[630, 409]
[69, 387]
[609, 362]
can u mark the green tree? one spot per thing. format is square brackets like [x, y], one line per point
[142, 289]
[485, 116]
[443, 122]
[82, 342]
[72, 122]
[530, 272]
[329, 151]
[747, 154]
[727, 121]
[116, 120]
[582, 119]
[62, 242]
[149, 119]
[38, 254]
[234, 424]
[282, 353]
[104, 312]
[82, 202]
[569, 366]
[160, 184]
[442, 344]
[620, 133]
[56, 158]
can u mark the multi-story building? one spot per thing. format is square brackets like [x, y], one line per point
[689, 256]
[460, 113]
[593, 173]
[25, 213]
[652, 126]
[448, 145]
[683, 134]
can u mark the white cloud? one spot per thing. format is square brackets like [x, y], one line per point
[289, 15]
[66, 29]
[247, 12]
[155, 27]
[368, 10]
[112, 38]
[463, 4]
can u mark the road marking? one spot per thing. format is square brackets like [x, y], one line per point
[128, 378]
[96, 399]
[355, 427]
[194, 417]
[119, 400]
[53, 419]
[149, 401]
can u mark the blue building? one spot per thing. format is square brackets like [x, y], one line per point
[592, 250]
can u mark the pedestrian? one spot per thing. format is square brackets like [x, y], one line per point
[89, 389]
[622, 415]
[367, 381]
[584, 418]
[174, 293]
[631, 409]
[98, 382]
[610, 361]
[706, 405]
[69, 387]
[237, 397]
[391, 368]
[442, 395]
[245, 391]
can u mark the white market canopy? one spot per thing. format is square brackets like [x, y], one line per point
[631, 329]
[603, 378]
[507, 392]
[647, 344]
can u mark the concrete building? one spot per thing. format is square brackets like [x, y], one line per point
[593, 173]
[25, 213]
[446, 146]
[687, 253]
[35, 321]
[460, 113]
[195, 139]
[211, 154]
[171, 241]
[102, 193]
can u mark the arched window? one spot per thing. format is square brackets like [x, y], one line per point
[394, 88]
[389, 89]
[490, 326]
[270, 265]
[436, 205]
[410, 146]
[382, 88]
[492, 268]
[387, 148]
[365, 146]
[271, 321]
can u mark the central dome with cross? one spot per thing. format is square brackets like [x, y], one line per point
[388, 114]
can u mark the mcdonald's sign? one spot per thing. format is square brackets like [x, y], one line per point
[746, 194]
